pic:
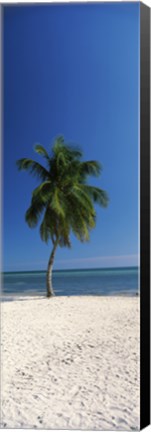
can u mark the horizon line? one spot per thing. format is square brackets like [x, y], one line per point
[72, 269]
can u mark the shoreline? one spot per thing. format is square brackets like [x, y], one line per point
[71, 362]
[14, 297]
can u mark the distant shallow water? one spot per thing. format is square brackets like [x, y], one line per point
[117, 281]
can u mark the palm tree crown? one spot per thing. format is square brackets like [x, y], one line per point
[63, 197]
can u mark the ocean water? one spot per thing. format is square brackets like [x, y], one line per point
[108, 281]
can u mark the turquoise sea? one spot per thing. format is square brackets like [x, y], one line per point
[108, 281]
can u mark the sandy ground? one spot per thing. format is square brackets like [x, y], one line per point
[71, 363]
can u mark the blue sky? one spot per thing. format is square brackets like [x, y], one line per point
[72, 70]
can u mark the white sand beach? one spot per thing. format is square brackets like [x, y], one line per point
[70, 363]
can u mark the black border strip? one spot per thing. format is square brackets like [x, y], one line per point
[145, 215]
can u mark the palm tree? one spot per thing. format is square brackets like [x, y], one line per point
[63, 197]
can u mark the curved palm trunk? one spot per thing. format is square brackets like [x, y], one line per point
[50, 291]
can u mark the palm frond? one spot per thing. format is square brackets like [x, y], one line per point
[43, 191]
[81, 217]
[33, 213]
[64, 237]
[74, 153]
[59, 142]
[57, 203]
[48, 227]
[98, 195]
[41, 151]
[44, 231]
[33, 167]
[80, 227]
[61, 161]
[69, 151]
[82, 199]
[90, 168]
